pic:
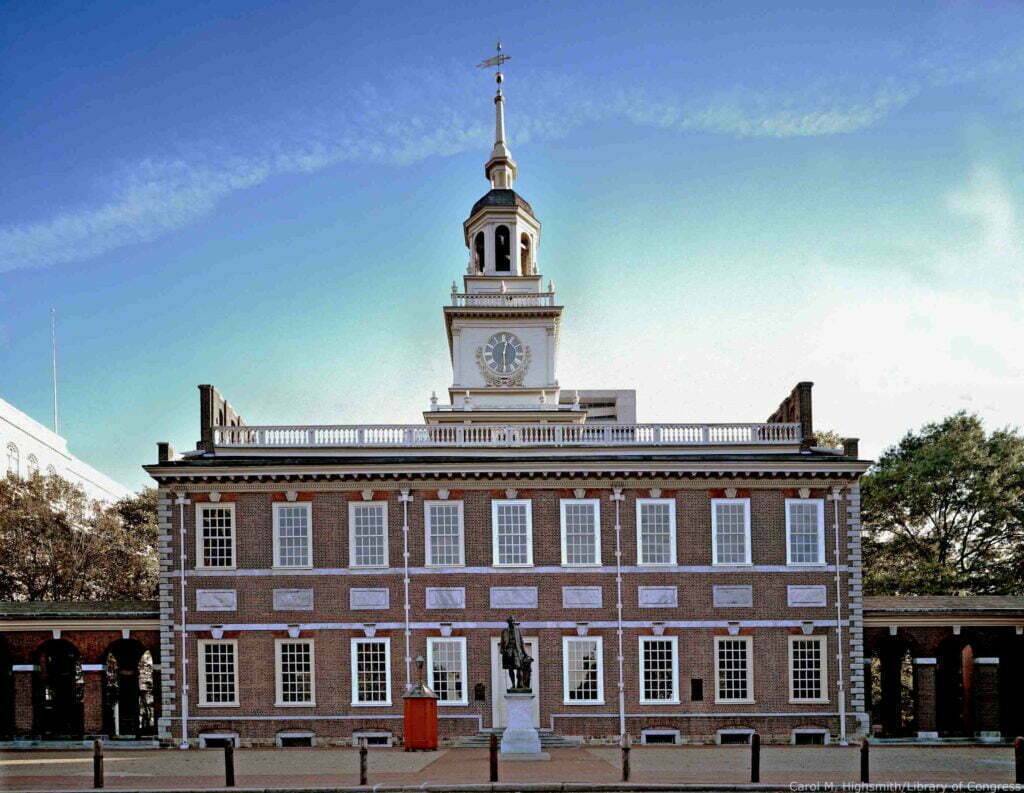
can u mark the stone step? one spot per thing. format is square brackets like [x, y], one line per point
[548, 740]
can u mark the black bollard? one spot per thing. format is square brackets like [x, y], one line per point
[97, 764]
[493, 745]
[362, 761]
[229, 763]
[865, 762]
[1018, 761]
[755, 757]
[625, 758]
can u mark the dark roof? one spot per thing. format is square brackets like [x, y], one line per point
[919, 603]
[502, 198]
[83, 609]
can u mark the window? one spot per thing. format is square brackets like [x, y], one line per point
[730, 530]
[215, 535]
[478, 251]
[446, 660]
[13, 459]
[807, 669]
[444, 533]
[295, 668]
[368, 534]
[502, 250]
[512, 529]
[805, 531]
[582, 670]
[293, 535]
[733, 678]
[581, 532]
[659, 670]
[218, 672]
[32, 465]
[371, 671]
[655, 531]
[51, 471]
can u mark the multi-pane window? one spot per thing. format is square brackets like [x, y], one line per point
[215, 535]
[655, 531]
[733, 682]
[293, 535]
[659, 669]
[581, 532]
[13, 459]
[295, 672]
[371, 672]
[444, 532]
[368, 534]
[32, 465]
[218, 672]
[446, 660]
[582, 670]
[805, 530]
[512, 532]
[730, 530]
[807, 669]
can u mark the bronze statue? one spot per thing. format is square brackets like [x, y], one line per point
[514, 657]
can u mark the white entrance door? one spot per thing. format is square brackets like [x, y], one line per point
[499, 681]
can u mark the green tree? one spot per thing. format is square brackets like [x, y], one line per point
[56, 544]
[943, 511]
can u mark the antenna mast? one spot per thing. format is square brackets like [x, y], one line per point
[53, 344]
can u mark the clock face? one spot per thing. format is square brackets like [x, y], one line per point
[503, 353]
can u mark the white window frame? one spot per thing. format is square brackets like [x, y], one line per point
[352, 507]
[426, 531]
[200, 553]
[279, 676]
[750, 671]
[714, 531]
[566, 641]
[278, 506]
[201, 663]
[356, 641]
[822, 642]
[463, 670]
[674, 641]
[639, 529]
[596, 503]
[820, 503]
[495, 503]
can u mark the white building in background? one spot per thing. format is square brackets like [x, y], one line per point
[28, 447]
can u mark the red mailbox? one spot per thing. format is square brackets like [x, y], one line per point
[420, 718]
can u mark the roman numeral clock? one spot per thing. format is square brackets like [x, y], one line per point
[503, 359]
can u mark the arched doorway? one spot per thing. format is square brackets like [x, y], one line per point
[128, 709]
[57, 690]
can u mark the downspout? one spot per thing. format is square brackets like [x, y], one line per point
[836, 500]
[182, 501]
[618, 498]
[405, 498]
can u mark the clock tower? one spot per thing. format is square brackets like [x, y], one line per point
[503, 324]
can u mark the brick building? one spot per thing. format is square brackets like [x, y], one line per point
[673, 581]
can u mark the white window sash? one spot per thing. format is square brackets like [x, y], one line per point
[309, 533]
[822, 643]
[427, 527]
[714, 530]
[279, 674]
[599, 653]
[463, 668]
[640, 503]
[820, 503]
[674, 641]
[201, 657]
[355, 506]
[563, 508]
[529, 531]
[202, 509]
[719, 640]
[356, 642]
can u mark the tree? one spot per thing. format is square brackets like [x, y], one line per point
[58, 545]
[943, 512]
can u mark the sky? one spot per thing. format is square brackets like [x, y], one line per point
[735, 196]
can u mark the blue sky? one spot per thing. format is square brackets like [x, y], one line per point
[735, 196]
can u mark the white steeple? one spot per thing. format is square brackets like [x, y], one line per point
[500, 168]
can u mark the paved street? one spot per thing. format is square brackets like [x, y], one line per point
[296, 768]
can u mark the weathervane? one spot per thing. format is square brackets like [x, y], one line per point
[495, 60]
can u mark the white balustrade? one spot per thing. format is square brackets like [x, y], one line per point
[515, 299]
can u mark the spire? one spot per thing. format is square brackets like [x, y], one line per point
[500, 168]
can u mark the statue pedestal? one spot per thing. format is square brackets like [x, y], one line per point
[520, 740]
